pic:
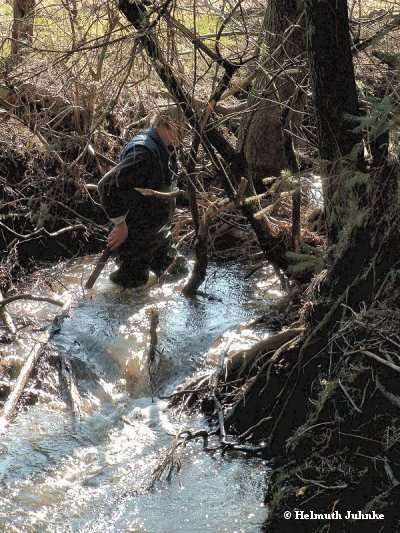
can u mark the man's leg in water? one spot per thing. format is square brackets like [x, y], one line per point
[166, 257]
[133, 259]
[164, 254]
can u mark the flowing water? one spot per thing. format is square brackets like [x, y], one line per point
[62, 474]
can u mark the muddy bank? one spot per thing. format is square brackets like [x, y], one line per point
[46, 210]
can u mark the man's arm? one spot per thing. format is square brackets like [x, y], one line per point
[114, 188]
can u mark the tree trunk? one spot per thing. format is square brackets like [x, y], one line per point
[22, 30]
[280, 393]
[261, 139]
[336, 106]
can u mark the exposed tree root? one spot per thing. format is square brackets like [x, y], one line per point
[347, 451]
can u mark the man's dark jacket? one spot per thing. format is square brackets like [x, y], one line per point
[145, 162]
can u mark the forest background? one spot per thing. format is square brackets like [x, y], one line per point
[273, 93]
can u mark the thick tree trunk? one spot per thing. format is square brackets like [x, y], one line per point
[22, 30]
[261, 139]
[336, 105]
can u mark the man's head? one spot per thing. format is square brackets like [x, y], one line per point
[170, 124]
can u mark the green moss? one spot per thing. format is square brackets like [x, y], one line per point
[280, 486]
[307, 259]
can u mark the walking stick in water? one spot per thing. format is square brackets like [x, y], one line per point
[101, 263]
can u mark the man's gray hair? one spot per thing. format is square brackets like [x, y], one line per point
[169, 116]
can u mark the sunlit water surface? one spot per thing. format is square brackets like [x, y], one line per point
[59, 474]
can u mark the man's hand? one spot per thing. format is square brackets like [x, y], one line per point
[117, 236]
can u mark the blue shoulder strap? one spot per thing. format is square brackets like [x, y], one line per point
[144, 140]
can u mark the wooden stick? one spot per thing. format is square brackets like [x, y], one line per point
[23, 377]
[150, 192]
[39, 231]
[17, 297]
[98, 155]
[395, 400]
[101, 263]
[382, 361]
[159, 194]
[68, 377]
[200, 267]
[152, 352]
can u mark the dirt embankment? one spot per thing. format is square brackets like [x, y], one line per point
[46, 210]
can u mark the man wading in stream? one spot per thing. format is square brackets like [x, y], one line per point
[141, 238]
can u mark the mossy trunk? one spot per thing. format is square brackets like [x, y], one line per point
[363, 258]
[280, 392]
[336, 106]
[261, 138]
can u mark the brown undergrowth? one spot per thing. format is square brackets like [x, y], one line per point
[346, 456]
[46, 209]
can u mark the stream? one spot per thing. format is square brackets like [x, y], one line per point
[62, 474]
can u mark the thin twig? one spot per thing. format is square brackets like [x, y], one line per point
[382, 361]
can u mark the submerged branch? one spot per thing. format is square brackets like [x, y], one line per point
[10, 299]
